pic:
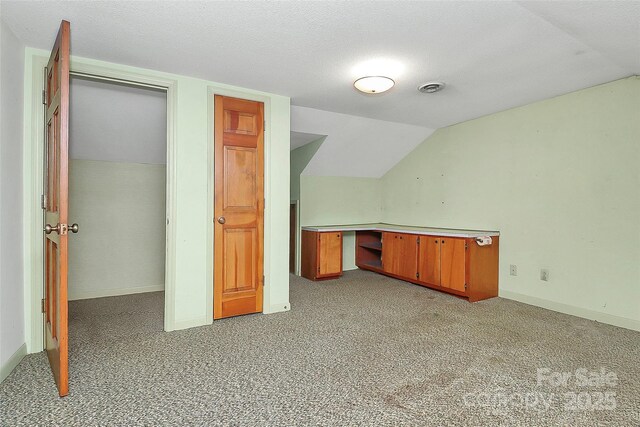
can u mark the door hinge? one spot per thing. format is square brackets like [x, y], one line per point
[264, 126]
[466, 245]
[44, 97]
[42, 305]
[465, 286]
[43, 201]
[417, 275]
[263, 280]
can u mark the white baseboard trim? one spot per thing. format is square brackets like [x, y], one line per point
[585, 313]
[13, 361]
[100, 293]
[277, 308]
[191, 323]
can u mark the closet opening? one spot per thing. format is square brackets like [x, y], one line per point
[117, 194]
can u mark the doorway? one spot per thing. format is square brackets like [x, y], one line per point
[117, 185]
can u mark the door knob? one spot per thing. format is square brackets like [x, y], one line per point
[221, 220]
[73, 228]
[48, 229]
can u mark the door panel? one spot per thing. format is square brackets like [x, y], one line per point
[429, 262]
[56, 208]
[400, 254]
[330, 253]
[407, 256]
[240, 178]
[240, 248]
[239, 207]
[453, 263]
[389, 241]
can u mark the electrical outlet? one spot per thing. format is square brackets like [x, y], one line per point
[544, 274]
[513, 270]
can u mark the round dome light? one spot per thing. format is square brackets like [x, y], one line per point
[374, 84]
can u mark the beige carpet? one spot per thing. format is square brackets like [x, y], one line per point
[362, 350]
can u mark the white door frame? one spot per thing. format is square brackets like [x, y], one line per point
[34, 158]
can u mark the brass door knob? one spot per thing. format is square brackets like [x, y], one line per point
[221, 220]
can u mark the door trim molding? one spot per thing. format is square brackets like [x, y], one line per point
[266, 237]
[32, 163]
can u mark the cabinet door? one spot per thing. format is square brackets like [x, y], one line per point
[329, 254]
[400, 254]
[407, 256]
[389, 241]
[452, 262]
[429, 260]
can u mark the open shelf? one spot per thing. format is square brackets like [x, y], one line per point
[369, 250]
[376, 246]
[376, 265]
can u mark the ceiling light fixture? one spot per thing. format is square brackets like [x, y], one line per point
[431, 87]
[374, 84]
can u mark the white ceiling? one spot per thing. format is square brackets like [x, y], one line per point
[355, 146]
[492, 55]
[117, 123]
[298, 139]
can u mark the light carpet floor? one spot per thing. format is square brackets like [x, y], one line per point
[362, 350]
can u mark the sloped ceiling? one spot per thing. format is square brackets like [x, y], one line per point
[492, 55]
[355, 146]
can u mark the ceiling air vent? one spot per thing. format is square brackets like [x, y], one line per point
[431, 87]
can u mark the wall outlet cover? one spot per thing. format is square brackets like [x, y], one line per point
[513, 270]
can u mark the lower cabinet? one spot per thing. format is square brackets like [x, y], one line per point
[400, 254]
[321, 255]
[456, 265]
[442, 262]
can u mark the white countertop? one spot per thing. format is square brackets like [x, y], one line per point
[447, 232]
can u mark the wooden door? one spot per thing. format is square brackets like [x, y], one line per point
[429, 260]
[56, 206]
[239, 207]
[452, 263]
[329, 254]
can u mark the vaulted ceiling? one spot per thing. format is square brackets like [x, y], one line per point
[492, 55]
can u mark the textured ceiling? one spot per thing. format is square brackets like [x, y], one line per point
[117, 123]
[492, 55]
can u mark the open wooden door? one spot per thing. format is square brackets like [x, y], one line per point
[239, 207]
[56, 204]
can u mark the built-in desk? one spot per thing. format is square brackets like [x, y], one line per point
[457, 261]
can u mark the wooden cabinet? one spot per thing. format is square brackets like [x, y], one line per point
[457, 265]
[400, 254]
[321, 255]
[442, 262]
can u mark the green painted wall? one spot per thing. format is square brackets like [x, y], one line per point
[130, 197]
[328, 200]
[559, 178]
[300, 158]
